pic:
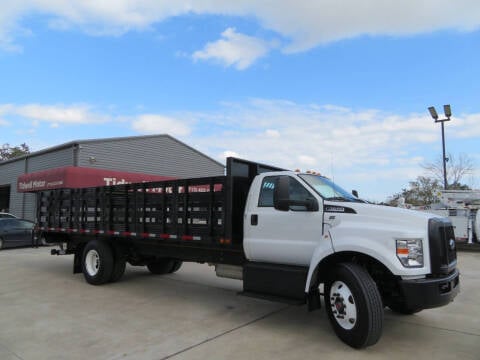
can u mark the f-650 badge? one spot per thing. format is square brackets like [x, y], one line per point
[338, 209]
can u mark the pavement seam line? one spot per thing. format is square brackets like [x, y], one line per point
[225, 333]
[440, 328]
[195, 283]
[10, 351]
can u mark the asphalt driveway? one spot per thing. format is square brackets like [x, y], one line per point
[46, 312]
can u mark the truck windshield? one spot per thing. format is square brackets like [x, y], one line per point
[327, 189]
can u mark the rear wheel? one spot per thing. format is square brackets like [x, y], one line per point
[119, 265]
[164, 266]
[43, 240]
[354, 305]
[177, 266]
[97, 262]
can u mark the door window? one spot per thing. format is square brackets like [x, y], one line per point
[296, 192]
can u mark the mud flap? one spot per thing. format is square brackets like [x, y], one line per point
[77, 259]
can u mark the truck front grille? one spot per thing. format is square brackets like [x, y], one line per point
[443, 252]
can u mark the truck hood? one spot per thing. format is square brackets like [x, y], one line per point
[393, 217]
[373, 230]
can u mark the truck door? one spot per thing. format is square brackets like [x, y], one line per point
[284, 237]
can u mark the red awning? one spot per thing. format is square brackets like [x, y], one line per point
[80, 177]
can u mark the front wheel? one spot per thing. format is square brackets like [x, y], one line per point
[354, 305]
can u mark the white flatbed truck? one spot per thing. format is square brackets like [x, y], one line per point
[283, 233]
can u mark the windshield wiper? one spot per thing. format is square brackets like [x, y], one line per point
[344, 199]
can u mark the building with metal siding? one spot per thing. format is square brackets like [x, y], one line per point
[155, 154]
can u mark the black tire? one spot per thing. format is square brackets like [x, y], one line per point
[401, 308]
[97, 262]
[120, 262]
[163, 266]
[363, 305]
[176, 266]
[1, 243]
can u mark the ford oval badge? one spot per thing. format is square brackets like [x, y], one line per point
[452, 244]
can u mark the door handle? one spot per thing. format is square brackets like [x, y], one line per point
[254, 219]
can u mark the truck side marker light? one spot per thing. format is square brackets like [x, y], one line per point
[150, 235]
[191, 237]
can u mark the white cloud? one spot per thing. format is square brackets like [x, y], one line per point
[377, 149]
[80, 114]
[303, 23]
[368, 146]
[271, 133]
[234, 49]
[466, 126]
[228, 153]
[306, 160]
[159, 124]
[55, 114]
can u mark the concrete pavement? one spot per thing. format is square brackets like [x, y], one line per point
[46, 312]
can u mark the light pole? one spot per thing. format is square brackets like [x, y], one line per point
[448, 113]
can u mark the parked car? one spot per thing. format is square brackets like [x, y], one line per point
[7, 215]
[16, 232]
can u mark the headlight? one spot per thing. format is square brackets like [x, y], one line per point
[410, 252]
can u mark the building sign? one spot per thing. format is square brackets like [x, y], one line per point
[80, 177]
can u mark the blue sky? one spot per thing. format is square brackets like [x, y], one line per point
[337, 87]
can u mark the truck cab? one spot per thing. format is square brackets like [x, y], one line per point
[314, 232]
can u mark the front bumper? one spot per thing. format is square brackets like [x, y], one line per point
[429, 293]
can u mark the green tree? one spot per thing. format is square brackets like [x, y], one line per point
[9, 152]
[422, 191]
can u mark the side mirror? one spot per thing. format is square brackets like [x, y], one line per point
[355, 193]
[281, 194]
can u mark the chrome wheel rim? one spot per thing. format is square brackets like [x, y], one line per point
[343, 305]
[92, 262]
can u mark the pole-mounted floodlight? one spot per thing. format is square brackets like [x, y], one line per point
[447, 110]
[433, 112]
[448, 113]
